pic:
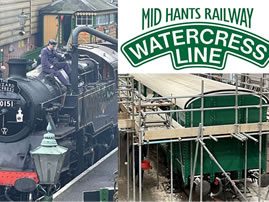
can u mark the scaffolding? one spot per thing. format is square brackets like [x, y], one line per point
[149, 120]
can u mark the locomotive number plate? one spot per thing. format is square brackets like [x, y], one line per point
[6, 103]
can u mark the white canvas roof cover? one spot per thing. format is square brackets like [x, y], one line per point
[186, 85]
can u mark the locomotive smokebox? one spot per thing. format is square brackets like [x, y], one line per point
[17, 67]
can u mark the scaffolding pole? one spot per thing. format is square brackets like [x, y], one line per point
[195, 161]
[260, 141]
[128, 167]
[201, 137]
[171, 170]
[140, 144]
[133, 158]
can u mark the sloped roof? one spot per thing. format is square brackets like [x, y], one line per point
[72, 6]
[115, 2]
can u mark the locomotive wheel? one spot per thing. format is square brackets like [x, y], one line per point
[265, 180]
[216, 187]
[206, 188]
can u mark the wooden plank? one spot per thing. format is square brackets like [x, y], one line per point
[13, 14]
[161, 134]
[5, 2]
[13, 26]
[14, 6]
[34, 14]
[41, 2]
[8, 21]
[126, 123]
[123, 108]
[9, 39]
[34, 20]
[10, 34]
[123, 115]
[34, 29]
[38, 7]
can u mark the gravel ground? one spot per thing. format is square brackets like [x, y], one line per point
[153, 192]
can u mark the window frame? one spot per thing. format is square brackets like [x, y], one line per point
[87, 19]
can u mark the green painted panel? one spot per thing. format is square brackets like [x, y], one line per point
[229, 152]
[224, 116]
[33, 54]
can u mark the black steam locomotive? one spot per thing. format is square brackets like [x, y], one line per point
[84, 121]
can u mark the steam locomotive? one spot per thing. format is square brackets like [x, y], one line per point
[84, 121]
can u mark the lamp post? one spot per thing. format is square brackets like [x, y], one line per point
[48, 159]
[22, 20]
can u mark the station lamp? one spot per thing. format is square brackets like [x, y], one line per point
[48, 159]
[22, 20]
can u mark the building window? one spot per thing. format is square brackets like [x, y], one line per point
[112, 18]
[84, 20]
[102, 19]
[105, 19]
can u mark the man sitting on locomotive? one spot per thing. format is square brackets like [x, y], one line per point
[51, 64]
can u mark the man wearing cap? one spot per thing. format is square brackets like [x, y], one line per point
[50, 62]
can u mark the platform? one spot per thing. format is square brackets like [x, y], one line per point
[98, 176]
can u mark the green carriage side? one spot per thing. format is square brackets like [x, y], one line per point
[228, 151]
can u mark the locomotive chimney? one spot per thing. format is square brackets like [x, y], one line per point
[17, 67]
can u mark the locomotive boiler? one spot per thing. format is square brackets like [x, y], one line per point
[84, 121]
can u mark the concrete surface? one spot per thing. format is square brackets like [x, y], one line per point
[99, 177]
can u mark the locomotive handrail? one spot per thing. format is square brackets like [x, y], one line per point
[51, 100]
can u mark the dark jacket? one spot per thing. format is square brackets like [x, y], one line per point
[49, 58]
